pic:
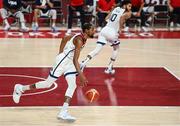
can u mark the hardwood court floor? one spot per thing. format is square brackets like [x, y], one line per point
[92, 116]
[41, 52]
[133, 53]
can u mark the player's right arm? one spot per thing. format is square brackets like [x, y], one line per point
[78, 42]
[108, 16]
[123, 19]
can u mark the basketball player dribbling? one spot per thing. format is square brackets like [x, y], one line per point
[115, 22]
[66, 63]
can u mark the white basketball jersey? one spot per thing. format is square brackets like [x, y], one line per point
[113, 21]
[70, 47]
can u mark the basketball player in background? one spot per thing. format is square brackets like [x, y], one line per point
[110, 33]
[43, 8]
[66, 63]
[12, 8]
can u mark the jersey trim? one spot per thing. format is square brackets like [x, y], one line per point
[101, 43]
[53, 75]
[82, 36]
[115, 44]
[70, 73]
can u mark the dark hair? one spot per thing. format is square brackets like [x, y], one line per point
[125, 2]
[86, 26]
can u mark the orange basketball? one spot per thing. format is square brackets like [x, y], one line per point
[92, 95]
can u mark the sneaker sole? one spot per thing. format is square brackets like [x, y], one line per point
[15, 94]
[109, 73]
[66, 120]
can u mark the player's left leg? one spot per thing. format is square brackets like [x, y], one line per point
[56, 71]
[53, 15]
[92, 54]
[71, 80]
[20, 16]
[35, 25]
[109, 69]
[99, 45]
[19, 89]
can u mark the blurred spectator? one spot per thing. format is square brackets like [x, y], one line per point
[43, 8]
[174, 7]
[12, 8]
[137, 10]
[119, 2]
[89, 2]
[89, 5]
[103, 8]
[75, 6]
[90, 11]
[149, 10]
[26, 8]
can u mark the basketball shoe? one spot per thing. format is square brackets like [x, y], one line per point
[17, 93]
[68, 32]
[24, 29]
[34, 27]
[54, 29]
[7, 27]
[64, 115]
[109, 70]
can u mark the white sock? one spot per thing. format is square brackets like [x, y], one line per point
[69, 30]
[6, 21]
[110, 65]
[23, 25]
[36, 23]
[53, 25]
[26, 87]
[65, 106]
